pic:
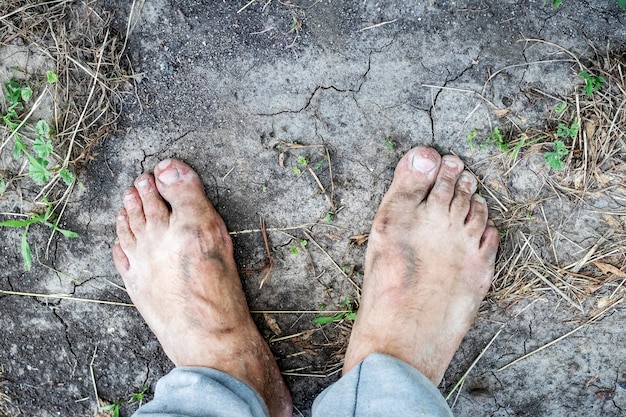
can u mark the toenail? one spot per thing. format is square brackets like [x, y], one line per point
[164, 163]
[169, 176]
[467, 178]
[479, 198]
[450, 163]
[130, 201]
[143, 183]
[423, 164]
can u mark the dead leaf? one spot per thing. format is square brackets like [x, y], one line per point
[281, 159]
[359, 239]
[272, 324]
[592, 380]
[500, 113]
[611, 221]
[332, 236]
[603, 179]
[579, 182]
[590, 128]
[610, 269]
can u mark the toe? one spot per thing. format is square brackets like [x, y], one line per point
[445, 184]
[478, 213]
[414, 175]
[120, 260]
[181, 187]
[134, 211]
[125, 236]
[125, 239]
[489, 243]
[465, 187]
[154, 209]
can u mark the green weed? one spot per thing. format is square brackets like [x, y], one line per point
[389, 144]
[138, 396]
[496, 139]
[349, 314]
[593, 84]
[522, 142]
[565, 131]
[115, 407]
[470, 139]
[301, 244]
[560, 108]
[555, 159]
[302, 162]
[47, 219]
[557, 3]
[18, 96]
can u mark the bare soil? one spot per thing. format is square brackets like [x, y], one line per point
[297, 112]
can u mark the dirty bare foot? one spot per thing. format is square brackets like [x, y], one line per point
[176, 258]
[429, 264]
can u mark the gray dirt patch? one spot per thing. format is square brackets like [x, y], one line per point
[242, 97]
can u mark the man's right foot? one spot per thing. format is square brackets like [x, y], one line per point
[429, 263]
[176, 258]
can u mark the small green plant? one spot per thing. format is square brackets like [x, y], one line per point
[138, 396]
[17, 97]
[522, 142]
[302, 162]
[565, 131]
[349, 314]
[557, 3]
[113, 408]
[301, 244]
[389, 144]
[47, 219]
[51, 77]
[593, 84]
[470, 139]
[560, 108]
[496, 139]
[329, 216]
[555, 159]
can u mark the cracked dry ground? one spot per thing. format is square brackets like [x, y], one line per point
[242, 98]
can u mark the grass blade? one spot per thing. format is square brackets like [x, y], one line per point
[26, 256]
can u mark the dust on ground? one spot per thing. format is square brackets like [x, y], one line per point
[298, 113]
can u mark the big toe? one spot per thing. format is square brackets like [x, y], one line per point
[415, 174]
[181, 187]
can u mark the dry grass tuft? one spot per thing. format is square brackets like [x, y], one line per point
[73, 41]
[565, 232]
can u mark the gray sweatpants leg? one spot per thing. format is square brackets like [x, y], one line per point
[379, 386]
